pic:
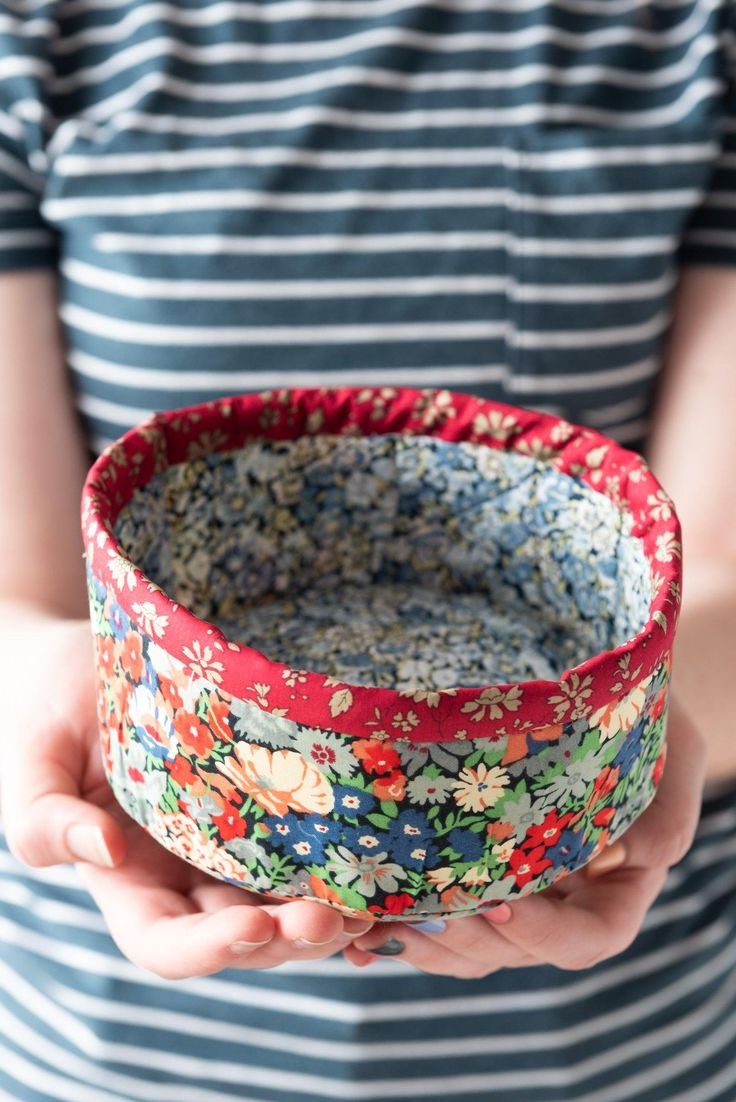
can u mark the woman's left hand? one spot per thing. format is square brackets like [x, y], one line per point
[586, 917]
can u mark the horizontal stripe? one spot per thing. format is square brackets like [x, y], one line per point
[315, 1007]
[304, 244]
[320, 48]
[71, 164]
[90, 275]
[519, 76]
[427, 1086]
[146, 333]
[122, 206]
[293, 9]
[402, 121]
[384, 1050]
[152, 378]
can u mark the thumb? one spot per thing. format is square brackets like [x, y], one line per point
[45, 818]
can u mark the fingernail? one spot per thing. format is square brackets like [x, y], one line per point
[303, 943]
[240, 947]
[390, 948]
[88, 844]
[611, 858]
[431, 926]
[498, 915]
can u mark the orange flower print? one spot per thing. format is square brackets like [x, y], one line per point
[279, 781]
[392, 787]
[375, 755]
[193, 735]
[500, 831]
[106, 655]
[217, 718]
[132, 656]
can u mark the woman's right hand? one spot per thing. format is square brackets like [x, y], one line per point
[57, 806]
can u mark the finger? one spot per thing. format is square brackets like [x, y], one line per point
[469, 938]
[664, 833]
[167, 932]
[46, 821]
[597, 921]
[468, 948]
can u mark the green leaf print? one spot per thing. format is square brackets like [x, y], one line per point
[382, 822]
[388, 807]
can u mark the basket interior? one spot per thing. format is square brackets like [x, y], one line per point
[393, 560]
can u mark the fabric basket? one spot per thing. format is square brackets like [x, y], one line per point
[403, 652]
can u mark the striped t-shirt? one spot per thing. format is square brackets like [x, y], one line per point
[485, 195]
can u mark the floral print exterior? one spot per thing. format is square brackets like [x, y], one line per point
[381, 827]
[383, 789]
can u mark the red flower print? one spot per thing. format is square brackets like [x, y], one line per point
[659, 705]
[528, 864]
[181, 771]
[392, 787]
[229, 823]
[376, 756]
[194, 735]
[604, 816]
[322, 755]
[604, 784]
[136, 775]
[658, 768]
[395, 905]
[132, 656]
[547, 833]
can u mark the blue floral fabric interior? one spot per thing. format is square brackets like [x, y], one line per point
[393, 560]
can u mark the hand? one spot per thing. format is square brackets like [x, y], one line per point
[587, 917]
[57, 806]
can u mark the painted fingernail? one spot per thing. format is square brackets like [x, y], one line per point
[431, 926]
[611, 858]
[238, 948]
[88, 844]
[390, 948]
[498, 915]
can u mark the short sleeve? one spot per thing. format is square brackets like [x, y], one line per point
[710, 237]
[26, 240]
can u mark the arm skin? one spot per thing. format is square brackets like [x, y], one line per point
[692, 451]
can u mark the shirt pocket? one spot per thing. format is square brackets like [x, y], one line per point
[597, 218]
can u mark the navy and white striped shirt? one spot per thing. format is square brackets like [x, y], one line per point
[486, 195]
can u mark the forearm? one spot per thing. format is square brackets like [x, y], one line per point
[692, 451]
[42, 454]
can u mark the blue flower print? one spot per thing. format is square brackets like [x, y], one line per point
[570, 849]
[305, 838]
[467, 844]
[353, 802]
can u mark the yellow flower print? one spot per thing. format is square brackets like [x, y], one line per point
[477, 789]
[152, 622]
[575, 693]
[621, 715]
[440, 878]
[668, 548]
[202, 662]
[280, 781]
[494, 700]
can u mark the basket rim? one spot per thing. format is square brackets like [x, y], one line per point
[368, 711]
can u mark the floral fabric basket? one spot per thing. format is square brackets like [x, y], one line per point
[402, 652]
